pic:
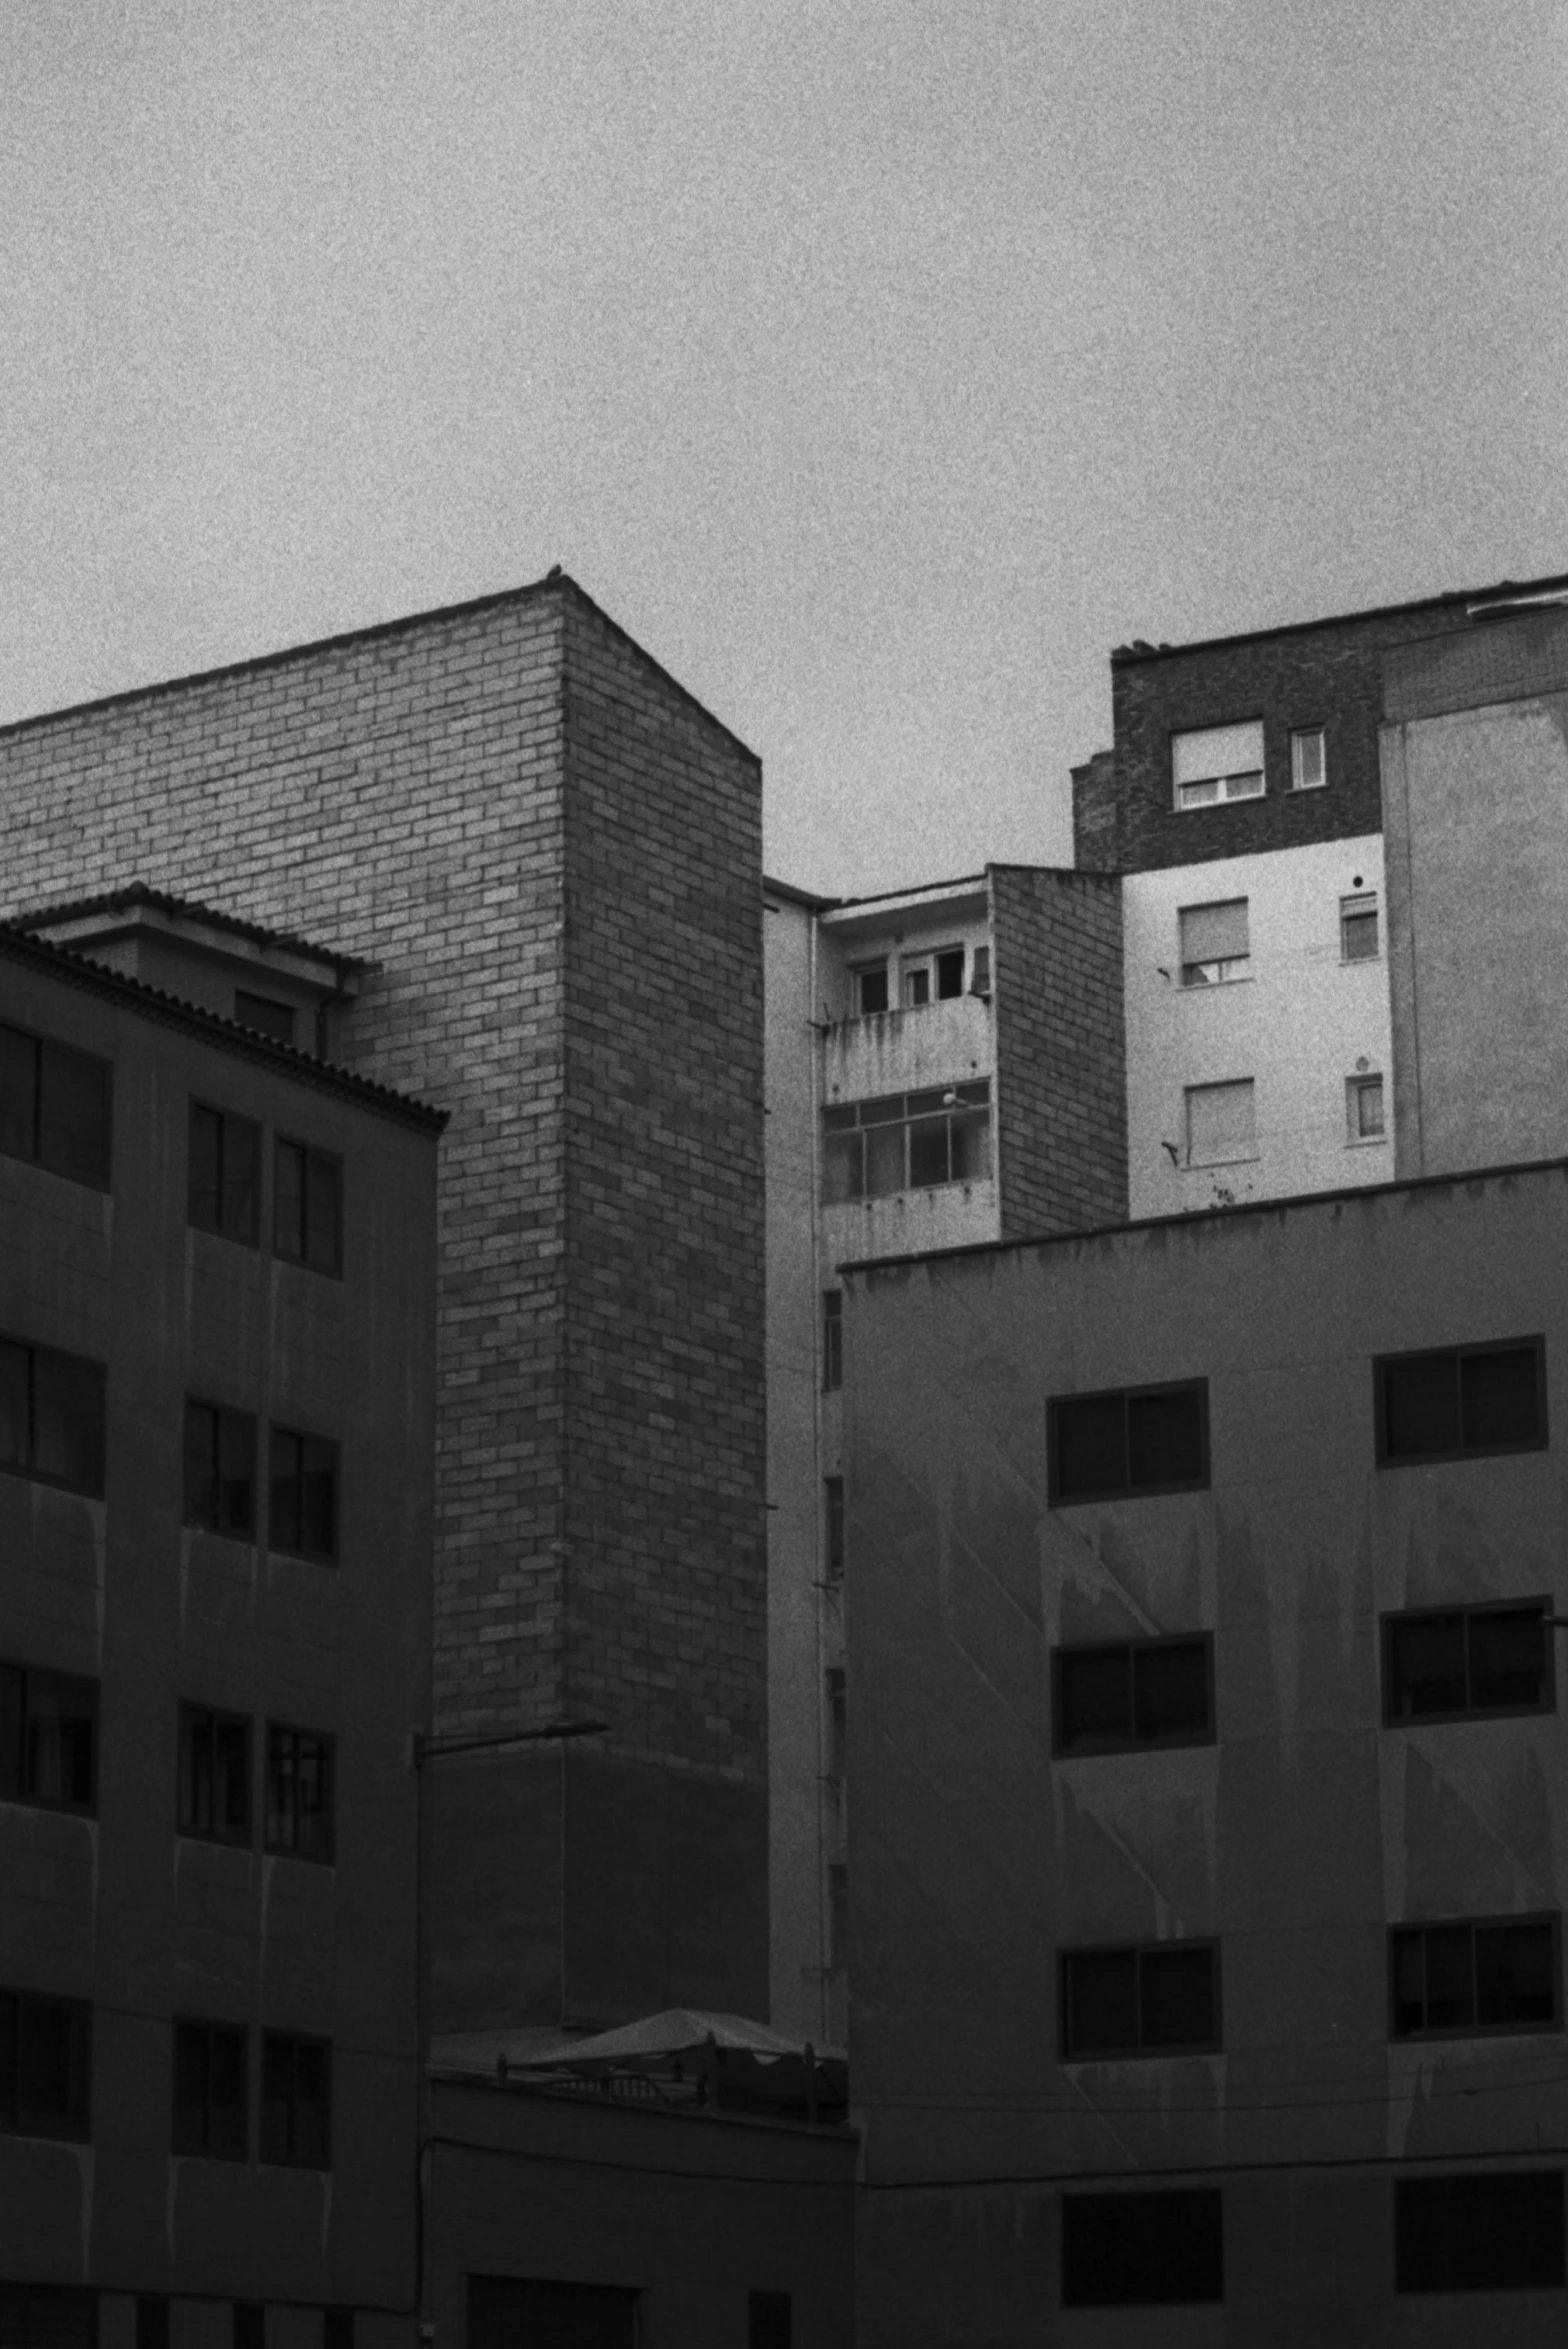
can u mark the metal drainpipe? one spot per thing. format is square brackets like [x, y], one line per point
[818, 1050]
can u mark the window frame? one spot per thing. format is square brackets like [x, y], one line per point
[1475, 2029]
[53, 1048]
[290, 1549]
[1354, 1088]
[1459, 2227]
[16, 2119]
[1211, 2197]
[834, 1525]
[1139, 1951]
[1298, 735]
[190, 1715]
[266, 1004]
[36, 1353]
[1467, 1611]
[859, 972]
[227, 1118]
[1221, 782]
[1233, 970]
[314, 1160]
[1383, 1363]
[1191, 1165]
[180, 2026]
[832, 1341]
[278, 1730]
[1132, 1744]
[1360, 905]
[267, 2152]
[966, 1105]
[1056, 1499]
[20, 1791]
[224, 1417]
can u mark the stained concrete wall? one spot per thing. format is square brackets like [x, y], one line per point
[1297, 1838]
[117, 1908]
[1476, 818]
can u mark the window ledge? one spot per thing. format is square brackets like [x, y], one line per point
[1203, 1166]
[1366, 1142]
[1212, 986]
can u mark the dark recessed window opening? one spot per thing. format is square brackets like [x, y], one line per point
[869, 981]
[214, 1783]
[833, 1515]
[1443, 1664]
[48, 1738]
[152, 2320]
[1159, 2000]
[1129, 1693]
[1460, 1402]
[220, 1469]
[296, 2096]
[299, 1792]
[209, 2090]
[225, 1174]
[769, 2320]
[45, 2058]
[1142, 2249]
[55, 1106]
[1129, 1441]
[304, 1500]
[307, 1204]
[832, 1340]
[1498, 2231]
[337, 2328]
[266, 1015]
[52, 1417]
[1499, 1974]
[249, 2325]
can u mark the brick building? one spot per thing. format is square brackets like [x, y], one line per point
[545, 855]
[217, 1305]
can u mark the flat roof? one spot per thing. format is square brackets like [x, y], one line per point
[76, 970]
[1502, 592]
[1208, 1215]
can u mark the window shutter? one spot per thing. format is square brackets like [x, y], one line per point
[1215, 933]
[1217, 750]
[1220, 1123]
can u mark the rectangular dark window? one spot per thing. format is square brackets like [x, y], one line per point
[1460, 1402]
[248, 2327]
[54, 1106]
[214, 1774]
[337, 2328]
[307, 1206]
[1129, 1441]
[1493, 1974]
[209, 2090]
[266, 1015]
[52, 1416]
[506, 2312]
[304, 1500]
[152, 2320]
[48, 1738]
[296, 2100]
[1142, 2249]
[45, 2061]
[1133, 1692]
[769, 2320]
[1498, 2231]
[832, 1340]
[220, 1469]
[225, 1174]
[1162, 1999]
[299, 1792]
[833, 1521]
[838, 1916]
[1455, 1661]
[906, 1142]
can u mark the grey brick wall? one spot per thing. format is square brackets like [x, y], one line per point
[1061, 1053]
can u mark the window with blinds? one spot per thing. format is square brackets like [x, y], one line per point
[1214, 763]
[1221, 1123]
[1215, 945]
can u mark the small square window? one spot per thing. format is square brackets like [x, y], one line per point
[1215, 945]
[1358, 939]
[224, 1174]
[1364, 1117]
[868, 981]
[1308, 767]
[214, 1785]
[209, 2091]
[1221, 1123]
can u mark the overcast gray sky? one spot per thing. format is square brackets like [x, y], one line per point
[877, 366]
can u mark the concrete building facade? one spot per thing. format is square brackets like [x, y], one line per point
[546, 854]
[217, 1309]
[1208, 1833]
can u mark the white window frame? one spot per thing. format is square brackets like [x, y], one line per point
[1226, 782]
[1355, 1087]
[1356, 907]
[1214, 971]
[1301, 735]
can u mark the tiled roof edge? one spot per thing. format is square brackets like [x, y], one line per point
[164, 901]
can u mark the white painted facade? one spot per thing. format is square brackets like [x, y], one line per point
[1301, 1022]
